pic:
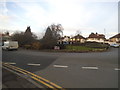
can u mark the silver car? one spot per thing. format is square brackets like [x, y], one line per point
[115, 45]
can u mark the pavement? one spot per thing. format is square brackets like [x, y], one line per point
[69, 70]
[12, 80]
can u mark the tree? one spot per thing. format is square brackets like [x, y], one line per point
[57, 30]
[48, 34]
[18, 36]
[52, 34]
[7, 33]
[28, 31]
[48, 40]
[24, 38]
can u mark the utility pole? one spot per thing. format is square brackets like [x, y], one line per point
[104, 33]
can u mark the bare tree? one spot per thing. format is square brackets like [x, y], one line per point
[24, 38]
[52, 34]
[57, 30]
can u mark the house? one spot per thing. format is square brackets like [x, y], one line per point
[64, 40]
[115, 38]
[5, 37]
[78, 38]
[95, 37]
[0, 39]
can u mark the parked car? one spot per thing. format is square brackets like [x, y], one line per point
[115, 45]
[10, 45]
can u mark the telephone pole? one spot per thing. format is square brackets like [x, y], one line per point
[104, 31]
[104, 34]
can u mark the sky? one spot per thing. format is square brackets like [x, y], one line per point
[86, 16]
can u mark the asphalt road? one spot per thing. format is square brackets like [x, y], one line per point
[70, 70]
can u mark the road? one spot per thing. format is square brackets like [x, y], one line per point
[69, 70]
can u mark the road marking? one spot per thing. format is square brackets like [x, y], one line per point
[35, 77]
[42, 82]
[10, 63]
[31, 64]
[60, 66]
[90, 68]
[7, 65]
[116, 69]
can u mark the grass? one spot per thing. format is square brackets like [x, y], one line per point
[78, 48]
[82, 48]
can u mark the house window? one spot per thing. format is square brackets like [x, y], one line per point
[70, 39]
[92, 38]
[73, 39]
[78, 39]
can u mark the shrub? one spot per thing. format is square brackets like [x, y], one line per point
[36, 45]
[82, 48]
[96, 45]
[27, 46]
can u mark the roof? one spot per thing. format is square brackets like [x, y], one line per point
[78, 36]
[1, 35]
[63, 37]
[116, 36]
[92, 35]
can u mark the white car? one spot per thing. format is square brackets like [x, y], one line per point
[115, 45]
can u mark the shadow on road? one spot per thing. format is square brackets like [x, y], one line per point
[22, 60]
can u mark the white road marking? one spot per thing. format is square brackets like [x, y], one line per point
[60, 66]
[90, 68]
[117, 69]
[10, 63]
[31, 64]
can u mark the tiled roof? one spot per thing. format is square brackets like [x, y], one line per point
[92, 35]
[78, 36]
[116, 36]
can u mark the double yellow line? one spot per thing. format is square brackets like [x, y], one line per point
[37, 78]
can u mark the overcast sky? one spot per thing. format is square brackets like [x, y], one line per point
[87, 17]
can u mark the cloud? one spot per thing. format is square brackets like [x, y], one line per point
[72, 14]
[56, 0]
[4, 18]
[3, 8]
